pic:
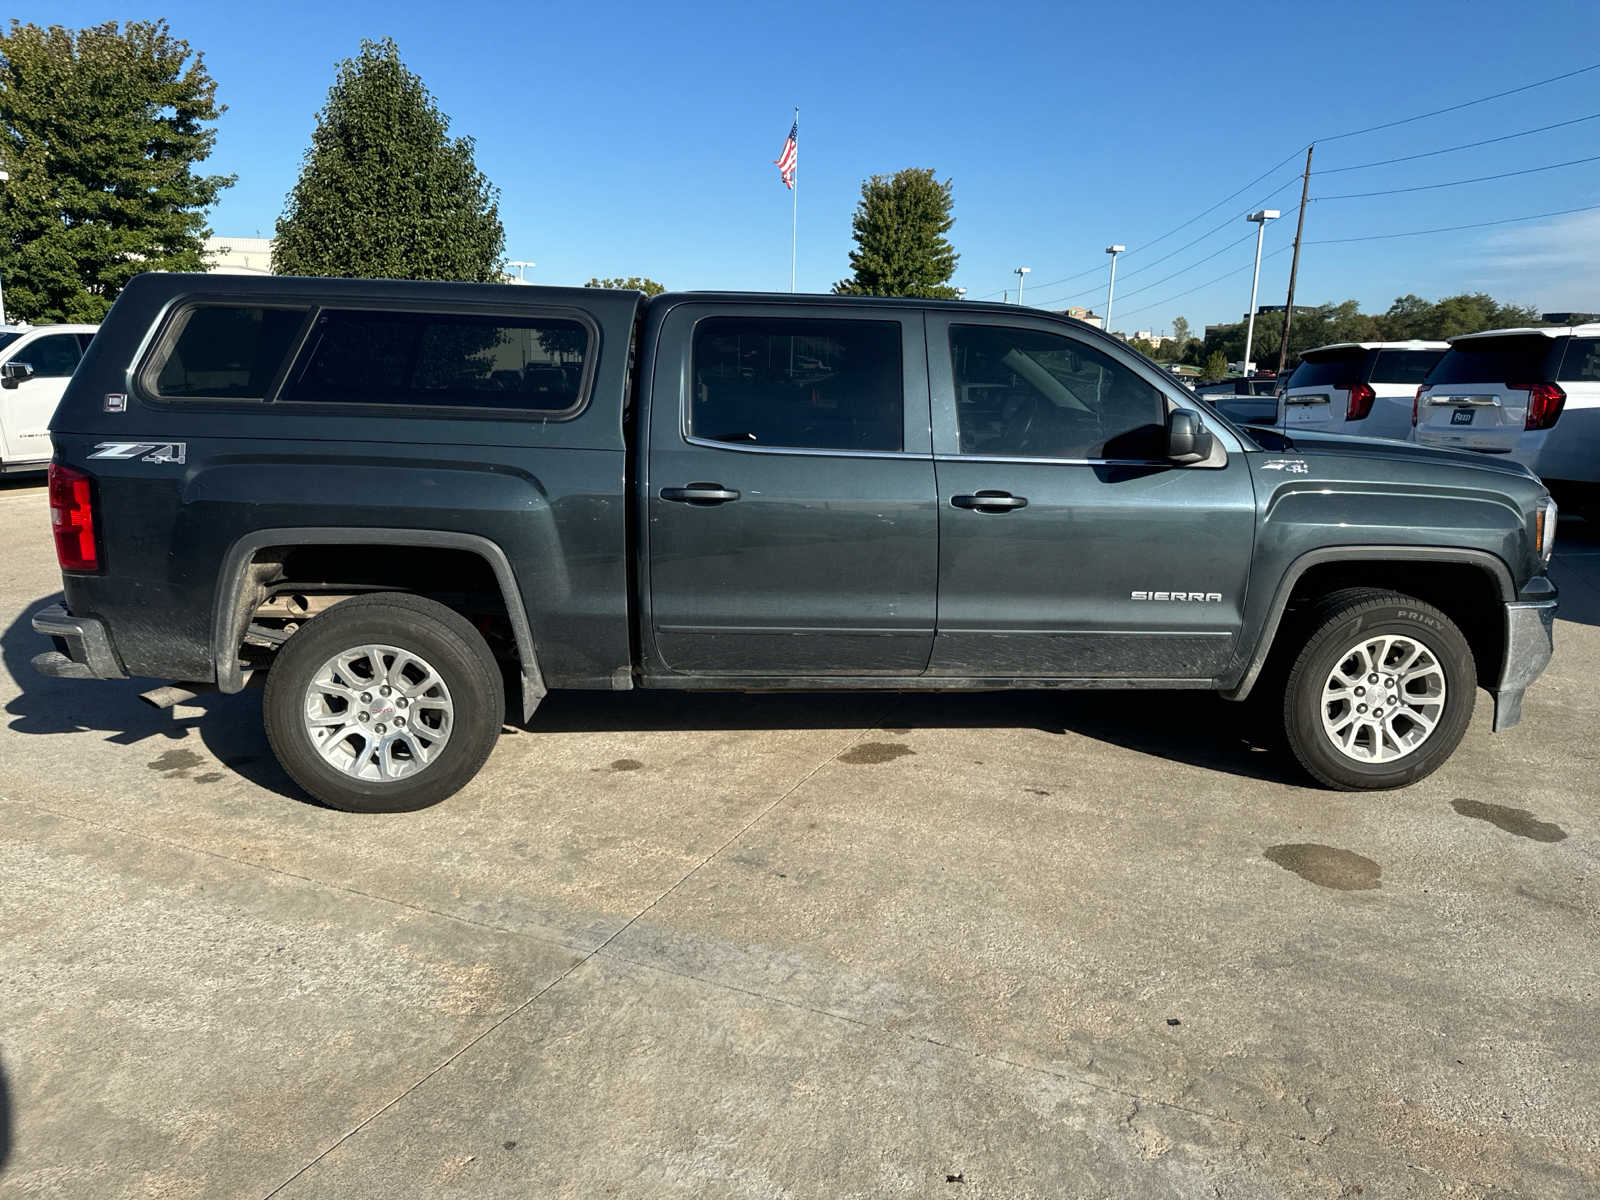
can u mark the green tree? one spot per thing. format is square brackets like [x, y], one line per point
[101, 130]
[384, 191]
[633, 283]
[1411, 316]
[1148, 349]
[1180, 337]
[899, 228]
[1216, 366]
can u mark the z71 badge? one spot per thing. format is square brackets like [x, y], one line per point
[150, 452]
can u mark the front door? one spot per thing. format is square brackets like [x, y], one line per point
[1068, 546]
[26, 408]
[792, 525]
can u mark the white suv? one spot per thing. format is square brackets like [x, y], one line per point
[1532, 394]
[1360, 388]
[35, 364]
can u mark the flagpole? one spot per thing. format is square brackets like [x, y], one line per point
[794, 228]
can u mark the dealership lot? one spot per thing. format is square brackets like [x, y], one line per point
[1025, 945]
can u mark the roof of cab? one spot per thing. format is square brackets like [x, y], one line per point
[1592, 329]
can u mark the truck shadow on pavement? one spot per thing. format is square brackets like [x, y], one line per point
[228, 726]
[1192, 728]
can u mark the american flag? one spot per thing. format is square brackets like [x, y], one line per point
[789, 156]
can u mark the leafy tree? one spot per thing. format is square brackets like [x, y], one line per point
[1148, 349]
[1180, 336]
[384, 191]
[1216, 366]
[101, 130]
[633, 283]
[899, 228]
[1411, 316]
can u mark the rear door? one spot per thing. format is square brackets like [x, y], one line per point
[790, 494]
[1394, 380]
[1571, 450]
[1068, 547]
[26, 408]
[1476, 397]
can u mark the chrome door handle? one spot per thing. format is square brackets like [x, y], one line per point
[990, 502]
[700, 493]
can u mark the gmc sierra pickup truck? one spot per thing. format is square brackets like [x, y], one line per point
[412, 504]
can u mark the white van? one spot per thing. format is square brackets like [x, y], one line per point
[1532, 394]
[35, 364]
[1360, 388]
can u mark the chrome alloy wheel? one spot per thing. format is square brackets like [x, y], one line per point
[378, 713]
[1383, 699]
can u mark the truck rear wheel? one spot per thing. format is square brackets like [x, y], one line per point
[1382, 692]
[384, 703]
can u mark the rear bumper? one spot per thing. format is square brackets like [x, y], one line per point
[85, 647]
[1530, 641]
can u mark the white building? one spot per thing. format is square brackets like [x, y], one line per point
[239, 255]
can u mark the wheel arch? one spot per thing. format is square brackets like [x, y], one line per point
[1392, 567]
[238, 590]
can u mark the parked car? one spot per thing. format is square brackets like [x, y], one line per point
[1362, 389]
[1252, 401]
[35, 364]
[1532, 395]
[324, 480]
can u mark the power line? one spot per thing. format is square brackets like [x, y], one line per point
[1384, 162]
[1209, 282]
[1249, 237]
[1438, 112]
[1380, 237]
[1428, 187]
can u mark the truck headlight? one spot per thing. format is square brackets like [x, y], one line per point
[1544, 530]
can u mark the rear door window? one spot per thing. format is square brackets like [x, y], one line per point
[1341, 372]
[1404, 366]
[453, 360]
[1581, 364]
[798, 383]
[224, 352]
[1520, 358]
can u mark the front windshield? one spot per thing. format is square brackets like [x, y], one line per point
[7, 338]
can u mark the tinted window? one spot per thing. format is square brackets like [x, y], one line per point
[54, 357]
[1341, 372]
[1582, 361]
[527, 363]
[1520, 359]
[1040, 395]
[804, 384]
[7, 338]
[1404, 366]
[228, 351]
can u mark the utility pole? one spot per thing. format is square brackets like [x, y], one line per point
[1294, 265]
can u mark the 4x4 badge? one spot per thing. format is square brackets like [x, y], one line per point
[150, 452]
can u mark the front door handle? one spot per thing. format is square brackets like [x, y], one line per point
[700, 493]
[990, 502]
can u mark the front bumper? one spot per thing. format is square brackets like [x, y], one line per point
[1530, 641]
[84, 647]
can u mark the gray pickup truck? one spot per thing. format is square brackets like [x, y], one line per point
[412, 504]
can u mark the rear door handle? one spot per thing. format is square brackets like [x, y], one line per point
[990, 502]
[700, 493]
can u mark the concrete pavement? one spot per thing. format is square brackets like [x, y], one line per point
[1026, 945]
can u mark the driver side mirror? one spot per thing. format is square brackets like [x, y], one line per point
[1188, 440]
[14, 373]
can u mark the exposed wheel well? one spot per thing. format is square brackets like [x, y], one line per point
[1468, 594]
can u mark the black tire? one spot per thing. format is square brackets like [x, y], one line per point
[1341, 621]
[439, 635]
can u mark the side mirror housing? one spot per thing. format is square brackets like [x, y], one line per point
[1188, 440]
[14, 373]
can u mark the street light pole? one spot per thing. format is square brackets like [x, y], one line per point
[1020, 272]
[1260, 218]
[1111, 288]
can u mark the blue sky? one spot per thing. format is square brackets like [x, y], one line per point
[638, 139]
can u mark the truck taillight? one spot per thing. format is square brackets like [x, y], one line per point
[1545, 402]
[1416, 404]
[72, 518]
[1361, 398]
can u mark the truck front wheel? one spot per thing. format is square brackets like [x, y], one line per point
[1382, 692]
[384, 703]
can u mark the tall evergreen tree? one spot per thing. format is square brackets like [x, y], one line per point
[100, 130]
[899, 229]
[384, 191]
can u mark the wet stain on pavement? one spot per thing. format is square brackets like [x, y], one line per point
[208, 777]
[875, 752]
[626, 764]
[1513, 820]
[176, 760]
[1327, 866]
